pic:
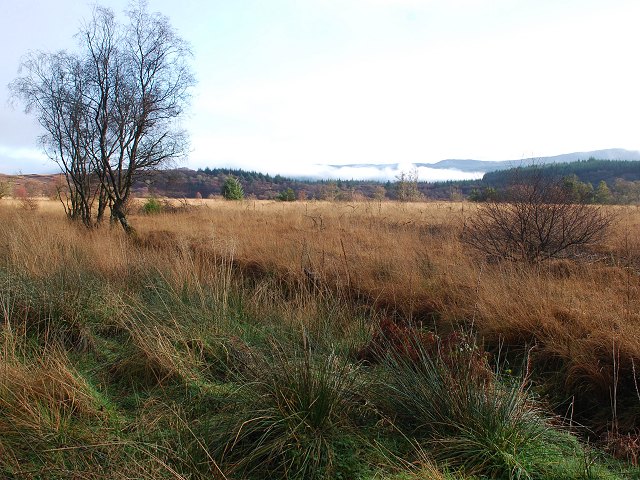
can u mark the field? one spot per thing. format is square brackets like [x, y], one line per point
[261, 339]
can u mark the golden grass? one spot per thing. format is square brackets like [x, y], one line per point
[40, 398]
[404, 260]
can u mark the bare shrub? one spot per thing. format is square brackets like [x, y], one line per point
[536, 219]
[26, 201]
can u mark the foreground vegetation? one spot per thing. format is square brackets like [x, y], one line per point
[312, 340]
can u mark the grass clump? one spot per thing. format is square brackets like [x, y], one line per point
[445, 395]
[291, 417]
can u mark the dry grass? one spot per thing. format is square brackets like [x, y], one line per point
[403, 261]
[404, 257]
[38, 396]
[582, 315]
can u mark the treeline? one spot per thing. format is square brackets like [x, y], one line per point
[209, 183]
[588, 171]
[590, 181]
[244, 175]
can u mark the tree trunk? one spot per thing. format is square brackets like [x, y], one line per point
[117, 213]
[102, 204]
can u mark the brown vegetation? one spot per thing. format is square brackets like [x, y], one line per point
[580, 316]
[577, 319]
[539, 219]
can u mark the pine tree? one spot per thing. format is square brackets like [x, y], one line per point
[602, 194]
[232, 189]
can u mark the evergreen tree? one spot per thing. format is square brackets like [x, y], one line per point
[287, 195]
[602, 194]
[578, 191]
[232, 189]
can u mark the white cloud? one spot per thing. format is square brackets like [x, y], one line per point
[26, 160]
[388, 81]
[546, 89]
[22, 153]
[389, 173]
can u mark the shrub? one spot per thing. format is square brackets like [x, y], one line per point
[539, 219]
[470, 420]
[232, 189]
[152, 206]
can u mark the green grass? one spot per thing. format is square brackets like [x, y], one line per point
[150, 377]
[292, 416]
[444, 395]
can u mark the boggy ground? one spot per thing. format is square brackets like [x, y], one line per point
[311, 340]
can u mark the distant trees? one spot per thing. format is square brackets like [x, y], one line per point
[379, 193]
[329, 191]
[615, 181]
[110, 111]
[483, 195]
[577, 191]
[589, 171]
[287, 195]
[538, 219]
[618, 191]
[626, 192]
[602, 193]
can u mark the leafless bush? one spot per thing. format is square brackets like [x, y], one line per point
[535, 220]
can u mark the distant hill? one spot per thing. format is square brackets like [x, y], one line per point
[208, 182]
[484, 166]
[588, 171]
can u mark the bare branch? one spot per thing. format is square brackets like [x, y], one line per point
[111, 111]
[536, 220]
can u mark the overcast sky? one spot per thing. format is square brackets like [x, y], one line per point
[286, 86]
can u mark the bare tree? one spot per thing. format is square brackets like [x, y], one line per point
[141, 81]
[537, 219]
[407, 186]
[54, 89]
[111, 112]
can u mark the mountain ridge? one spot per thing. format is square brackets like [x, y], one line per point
[484, 166]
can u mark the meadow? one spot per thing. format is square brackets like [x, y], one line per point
[360, 340]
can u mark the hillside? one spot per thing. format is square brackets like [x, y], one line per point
[470, 165]
[619, 175]
[589, 171]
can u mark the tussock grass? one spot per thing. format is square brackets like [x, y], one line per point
[470, 420]
[290, 415]
[222, 343]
